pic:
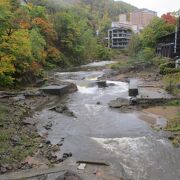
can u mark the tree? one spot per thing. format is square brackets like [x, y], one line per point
[156, 29]
[169, 18]
[6, 69]
[134, 45]
[38, 43]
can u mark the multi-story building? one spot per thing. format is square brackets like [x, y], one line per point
[136, 20]
[120, 32]
[118, 37]
[142, 17]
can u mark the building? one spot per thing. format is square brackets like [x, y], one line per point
[120, 32]
[136, 20]
[169, 45]
[142, 17]
[118, 37]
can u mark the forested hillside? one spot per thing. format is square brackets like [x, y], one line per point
[40, 34]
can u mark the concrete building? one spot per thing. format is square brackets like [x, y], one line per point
[136, 20]
[142, 17]
[120, 32]
[118, 37]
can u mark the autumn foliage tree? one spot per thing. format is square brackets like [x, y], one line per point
[169, 18]
[25, 34]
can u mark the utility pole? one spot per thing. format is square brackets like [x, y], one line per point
[175, 42]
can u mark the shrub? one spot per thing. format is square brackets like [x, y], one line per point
[103, 53]
[168, 68]
[171, 82]
[159, 60]
[6, 81]
[147, 54]
[134, 45]
[174, 124]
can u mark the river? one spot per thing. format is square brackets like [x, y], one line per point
[128, 143]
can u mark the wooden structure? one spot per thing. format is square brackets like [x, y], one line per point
[169, 45]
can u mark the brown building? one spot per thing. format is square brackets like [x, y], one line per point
[142, 17]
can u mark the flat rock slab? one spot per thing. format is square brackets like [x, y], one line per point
[102, 163]
[119, 103]
[59, 89]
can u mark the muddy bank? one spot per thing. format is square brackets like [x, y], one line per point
[21, 146]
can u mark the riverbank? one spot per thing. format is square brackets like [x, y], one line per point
[21, 146]
[152, 85]
[82, 125]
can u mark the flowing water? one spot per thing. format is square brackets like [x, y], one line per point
[132, 148]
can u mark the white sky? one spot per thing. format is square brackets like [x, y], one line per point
[160, 6]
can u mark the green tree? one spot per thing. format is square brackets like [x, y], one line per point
[134, 45]
[38, 43]
[156, 29]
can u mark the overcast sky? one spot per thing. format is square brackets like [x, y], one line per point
[160, 6]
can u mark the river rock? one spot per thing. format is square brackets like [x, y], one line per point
[118, 103]
[19, 98]
[48, 125]
[48, 142]
[101, 84]
[64, 110]
[15, 140]
[28, 121]
[3, 170]
[55, 148]
[69, 175]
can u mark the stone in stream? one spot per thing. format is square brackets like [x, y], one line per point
[66, 155]
[28, 121]
[98, 103]
[59, 89]
[64, 110]
[48, 126]
[101, 84]
[69, 175]
[118, 103]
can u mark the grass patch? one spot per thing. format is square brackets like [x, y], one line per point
[173, 103]
[11, 126]
[122, 64]
[173, 125]
[176, 141]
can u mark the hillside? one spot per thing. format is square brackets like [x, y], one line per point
[42, 34]
[114, 7]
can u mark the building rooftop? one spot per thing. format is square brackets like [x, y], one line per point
[145, 10]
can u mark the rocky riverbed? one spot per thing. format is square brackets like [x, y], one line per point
[81, 137]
